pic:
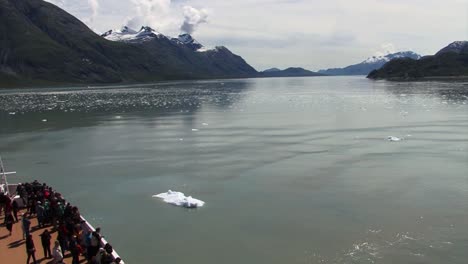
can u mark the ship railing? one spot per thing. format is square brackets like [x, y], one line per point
[87, 227]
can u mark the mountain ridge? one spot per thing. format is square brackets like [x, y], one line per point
[370, 64]
[289, 72]
[450, 62]
[42, 44]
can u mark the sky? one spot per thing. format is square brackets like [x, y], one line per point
[290, 33]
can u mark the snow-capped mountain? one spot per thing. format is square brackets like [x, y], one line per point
[391, 56]
[370, 64]
[450, 63]
[456, 46]
[183, 52]
[138, 56]
[189, 41]
[129, 35]
[126, 34]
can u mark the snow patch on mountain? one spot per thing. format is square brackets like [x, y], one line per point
[389, 57]
[188, 41]
[127, 34]
[370, 64]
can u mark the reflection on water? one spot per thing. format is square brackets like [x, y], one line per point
[293, 170]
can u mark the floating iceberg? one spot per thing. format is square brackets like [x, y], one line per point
[179, 199]
[392, 138]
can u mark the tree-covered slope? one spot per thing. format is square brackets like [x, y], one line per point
[41, 44]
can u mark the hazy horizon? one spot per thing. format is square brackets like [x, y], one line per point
[290, 33]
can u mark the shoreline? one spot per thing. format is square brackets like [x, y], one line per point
[424, 79]
[149, 83]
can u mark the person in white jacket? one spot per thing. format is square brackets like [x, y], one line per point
[57, 254]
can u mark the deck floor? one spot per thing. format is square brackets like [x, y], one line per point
[13, 248]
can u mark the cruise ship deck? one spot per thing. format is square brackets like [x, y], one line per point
[13, 248]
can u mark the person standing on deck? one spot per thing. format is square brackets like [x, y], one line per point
[45, 241]
[5, 203]
[9, 222]
[95, 242]
[2, 202]
[30, 249]
[26, 225]
[75, 250]
[40, 214]
[15, 208]
[32, 204]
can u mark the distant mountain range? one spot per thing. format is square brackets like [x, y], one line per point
[42, 44]
[370, 64]
[289, 72]
[449, 62]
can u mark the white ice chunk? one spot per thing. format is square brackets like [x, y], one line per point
[179, 199]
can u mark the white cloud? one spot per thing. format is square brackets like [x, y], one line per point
[192, 18]
[154, 13]
[94, 5]
[386, 48]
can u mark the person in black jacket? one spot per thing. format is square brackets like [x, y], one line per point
[45, 241]
[15, 208]
[26, 224]
[30, 249]
[75, 250]
[9, 222]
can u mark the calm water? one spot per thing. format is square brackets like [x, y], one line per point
[292, 170]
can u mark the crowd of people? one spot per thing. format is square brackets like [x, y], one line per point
[51, 210]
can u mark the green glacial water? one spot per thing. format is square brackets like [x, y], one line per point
[294, 170]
